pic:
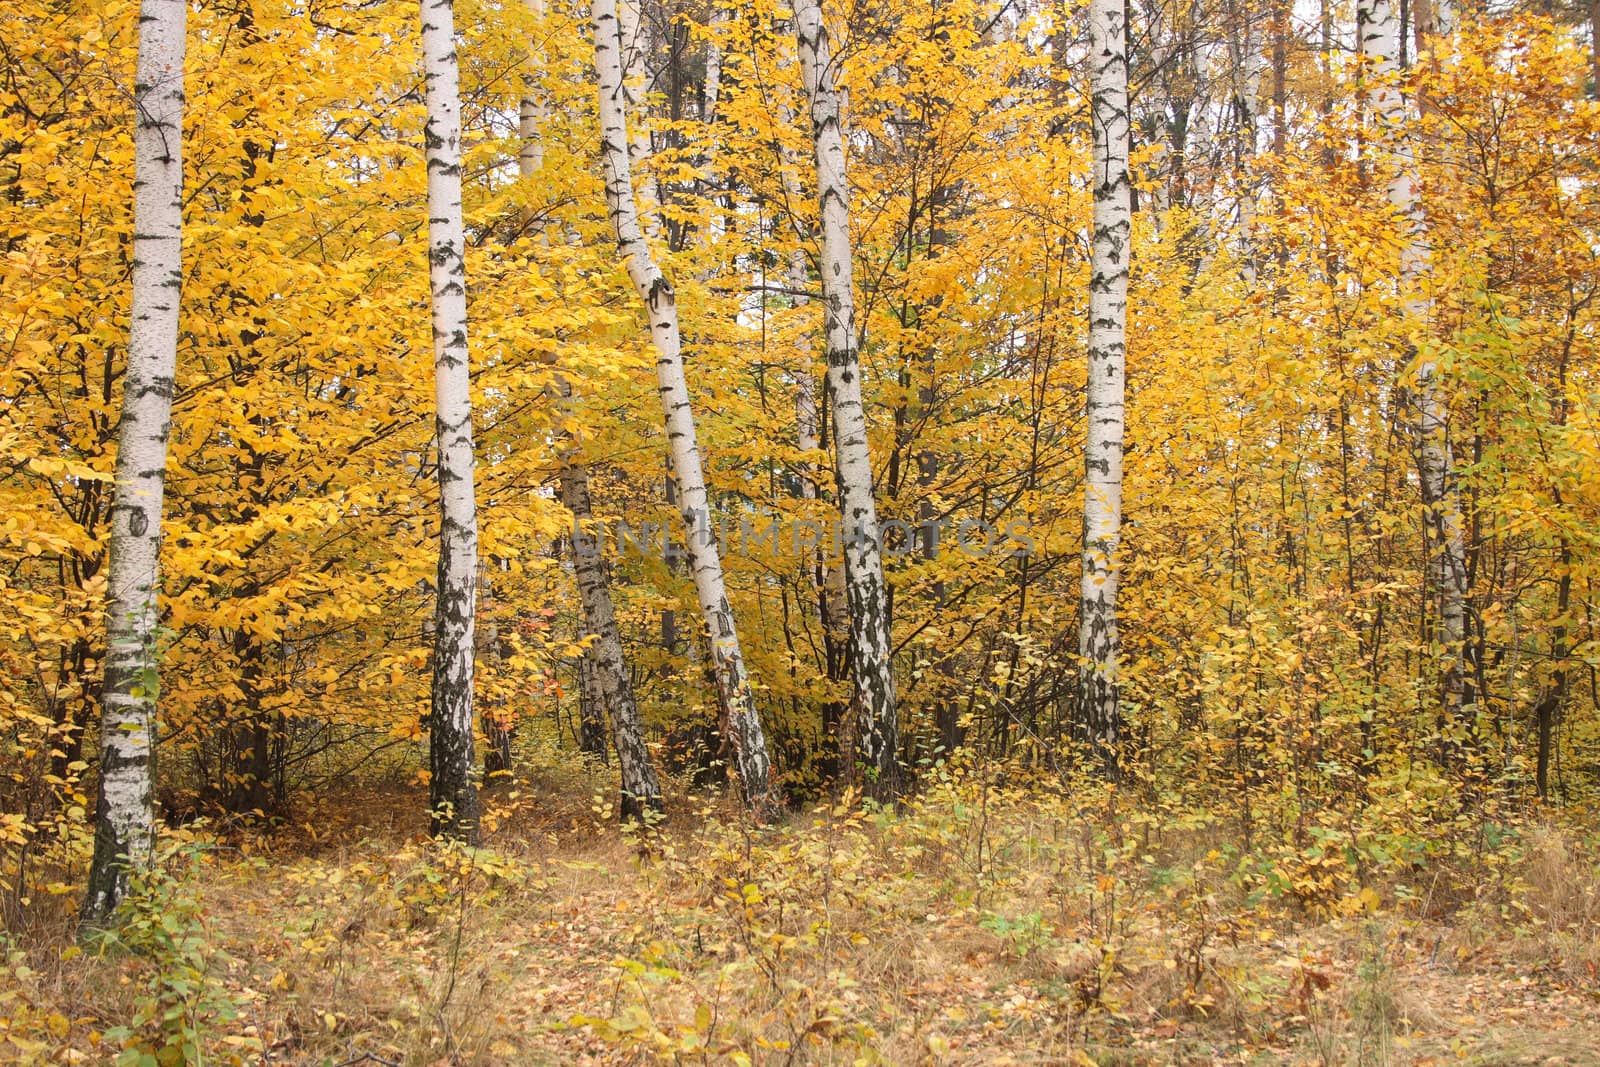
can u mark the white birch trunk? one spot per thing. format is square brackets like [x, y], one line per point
[454, 794]
[713, 87]
[532, 111]
[832, 599]
[124, 818]
[638, 46]
[876, 721]
[1108, 319]
[1378, 29]
[607, 684]
[661, 305]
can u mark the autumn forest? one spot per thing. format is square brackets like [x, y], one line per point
[684, 531]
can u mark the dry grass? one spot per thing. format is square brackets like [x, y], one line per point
[968, 929]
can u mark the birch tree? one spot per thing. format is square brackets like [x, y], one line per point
[1380, 29]
[1108, 319]
[638, 40]
[735, 696]
[877, 725]
[453, 793]
[532, 110]
[609, 670]
[606, 691]
[124, 818]
[826, 576]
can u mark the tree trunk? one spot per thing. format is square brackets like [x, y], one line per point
[734, 692]
[713, 82]
[1108, 320]
[637, 36]
[532, 114]
[124, 818]
[494, 716]
[591, 709]
[827, 579]
[1547, 712]
[871, 650]
[1378, 31]
[1246, 67]
[1594, 49]
[245, 768]
[640, 790]
[454, 794]
[604, 684]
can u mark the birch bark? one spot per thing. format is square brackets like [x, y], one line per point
[1108, 317]
[124, 817]
[637, 37]
[454, 793]
[734, 692]
[827, 578]
[877, 723]
[532, 111]
[1379, 30]
[608, 669]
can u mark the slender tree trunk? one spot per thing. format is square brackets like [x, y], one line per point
[734, 692]
[496, 722]
[1280, 30]
[637, 36]
[1246, 66]
[591, 708]
[72, 717]
[1594, 49]
[532, 114]
[871, 649]
[713, 83]
[827, 579]
[454, 794]
[1547, 712]
[1552, 703]
[245, 771]
[640, 791]
[124, 818]
[1378, 29]
[1108, 319]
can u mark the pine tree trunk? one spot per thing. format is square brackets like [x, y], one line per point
[124, 818]
[1108, 319]
[734, 692]
[1378, 31]
[871, 649]
[454, 793]
[640, 790]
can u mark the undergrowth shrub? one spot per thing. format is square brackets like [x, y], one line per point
[184, 1000]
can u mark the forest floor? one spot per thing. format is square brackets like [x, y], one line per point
[976, 926]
